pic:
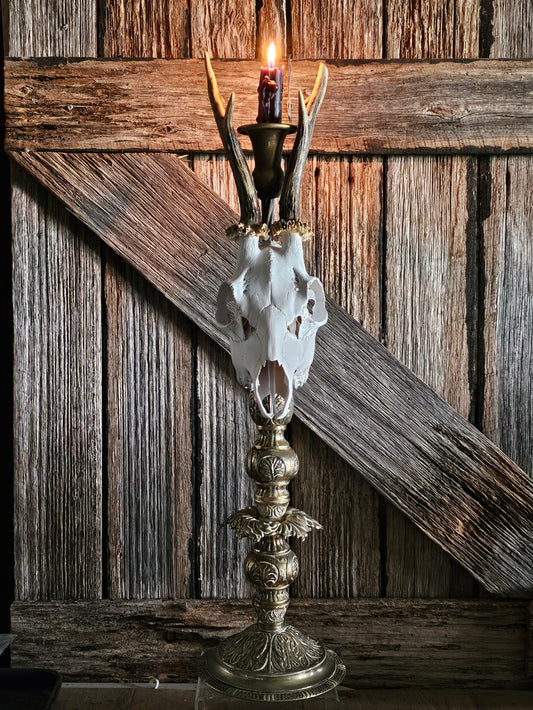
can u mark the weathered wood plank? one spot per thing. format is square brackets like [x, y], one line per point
[508, 410]
[448, 107]
[438, 469]
[57, 402]
[66, 30]
[440, 29]
[152, 28]
[225, 429]
[384, 643]
[342, 195]
[271, 27]
[511, 29]
[58, 428]
[151, 439]
[429, 243]
[507, 218]
[226, 435]
[343, 560]
[224, 29]
[426, 323]
[338, 29]
[346, 223]
[149, 489]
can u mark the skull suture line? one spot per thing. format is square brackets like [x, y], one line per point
[271, 311]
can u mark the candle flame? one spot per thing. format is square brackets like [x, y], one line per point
[271, 56]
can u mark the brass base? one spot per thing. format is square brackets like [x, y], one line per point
[258, 664]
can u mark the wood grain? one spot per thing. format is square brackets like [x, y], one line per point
[336, 29]
[149, 489]
[511, 29]
[152, 28]
[271, 27]
[36, 29]
[439, 470]
[506, 219]
[342, 201]
[508, 336]
[226, 435]
[435, 29]
[57, 403]
[343, 560]
[384, 643]
[224, 29]
[225, 428]
[151, 439]
[430, 287]
[58, 426]
[443, 107]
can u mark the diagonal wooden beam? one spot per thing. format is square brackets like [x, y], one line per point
[472, 106]
[456, 485]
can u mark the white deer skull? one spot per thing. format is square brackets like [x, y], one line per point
[271, 311]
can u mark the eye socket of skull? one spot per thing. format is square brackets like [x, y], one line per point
[294, 327]
[225, 304]
[316, 301]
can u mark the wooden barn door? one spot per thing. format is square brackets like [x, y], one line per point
[124, 467]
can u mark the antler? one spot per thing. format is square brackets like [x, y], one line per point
[248, 200]
[289, 201]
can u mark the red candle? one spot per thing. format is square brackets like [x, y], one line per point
[270, 90]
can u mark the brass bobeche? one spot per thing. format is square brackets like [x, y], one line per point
[271, 660]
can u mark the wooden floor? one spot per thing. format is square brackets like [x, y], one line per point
[181, 697]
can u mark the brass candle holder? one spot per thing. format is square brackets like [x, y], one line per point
[270, 660]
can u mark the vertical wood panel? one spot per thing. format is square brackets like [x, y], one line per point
[348, 213]
[511, 29]
[341, 198]
[58, 354]
[508, 406]
[272, 27]
[149, 375]
[226, 436]
[336, 29]
[507, 227]
[428, 312]
[427, 225]
[224, 29]
[52, 28]
[151, 447]
[57, 418]
[151, 28]
[432, 29]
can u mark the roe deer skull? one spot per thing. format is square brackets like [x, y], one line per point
[271, 311]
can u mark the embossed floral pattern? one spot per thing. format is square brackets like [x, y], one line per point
[272, 467]
[271, 652]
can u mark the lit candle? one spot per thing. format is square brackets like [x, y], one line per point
[270, 90]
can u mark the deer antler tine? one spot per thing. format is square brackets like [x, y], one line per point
[217, 104]
[248, 200]
[319, 89]
[289, 202]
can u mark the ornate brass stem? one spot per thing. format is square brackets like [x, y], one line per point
[271, 660]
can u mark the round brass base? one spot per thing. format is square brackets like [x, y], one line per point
[273, 670]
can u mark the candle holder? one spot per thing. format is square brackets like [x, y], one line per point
[271, 311]
[267, 145]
